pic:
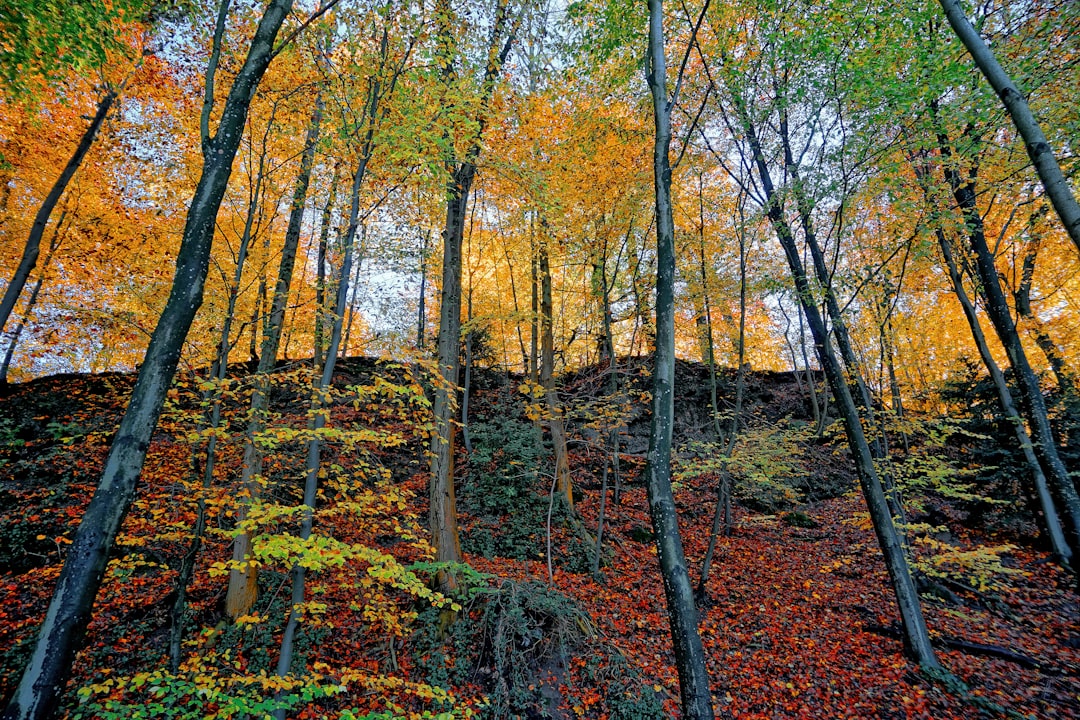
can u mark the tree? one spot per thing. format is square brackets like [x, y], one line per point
[461, 172]
[69, 611]
[1035, 142]
[682, 614]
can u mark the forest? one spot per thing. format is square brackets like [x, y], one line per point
[405, 359]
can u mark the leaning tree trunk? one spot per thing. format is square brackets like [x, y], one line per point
[997, 308]
[63, 629]
[1050, 516]
[682, 613]
[33, 243]
[31, 302]
[916, 637]
[1038, 149]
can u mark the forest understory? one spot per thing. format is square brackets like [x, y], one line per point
[798, 620]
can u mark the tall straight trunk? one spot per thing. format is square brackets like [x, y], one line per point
[682, 613]
[915, 635]
[466, 387]
[1051, 522]
[32, 249]
[556, 424]
[442, 511]
[243, 583]
[1035, 142]
[63, 629]
[534, 306]
[31, 302]
[709, 354]
[1032, 402]
[311, 475]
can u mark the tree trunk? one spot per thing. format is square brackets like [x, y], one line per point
[351, 304]
[916, 638]
[1031, 399]
[218, 370]
[442, 511]
[1022, 298]
[722, 513]
[1038, 149]
[556, 424]
[33, 243]
[1051, 522]
[243, 583]
[682, 614]
[13, 341]
[65, 622]
[421, 312]
[311, 477]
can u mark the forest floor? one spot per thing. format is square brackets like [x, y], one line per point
[799, 621]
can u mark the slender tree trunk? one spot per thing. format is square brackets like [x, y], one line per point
[1022, 298]
[65, 622]
[421, 313]
[682, 614]
[722, 513]
[32, 248]
[710, 349]
[442, 512]
[466, 388]
[1051, 522]
[1035, 142]
[320, 265]
[1031, 399]
[243, 580]
[311, 476]
[31, 302]
[556, 424]
[534, 306]
[916, 637]
[344, 342]
[218, 371]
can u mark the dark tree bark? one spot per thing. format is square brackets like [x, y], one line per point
[1032, 402]
[65, 621]
[1051, 523]
[442, 511]
[682, 613]
[1038, 148]
[32, 249]
[31, 302]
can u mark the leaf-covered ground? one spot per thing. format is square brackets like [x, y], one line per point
[798, 623]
